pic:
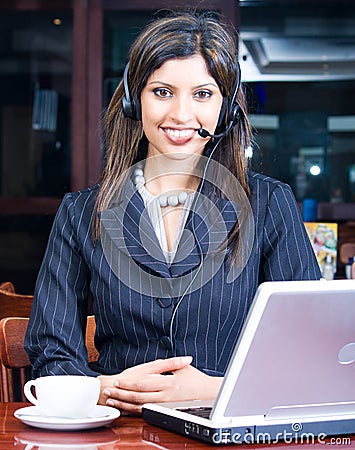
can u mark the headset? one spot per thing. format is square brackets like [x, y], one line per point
[230, 111]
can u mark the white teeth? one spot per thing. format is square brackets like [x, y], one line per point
[179, 133]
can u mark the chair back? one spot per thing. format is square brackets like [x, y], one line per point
[346, 251]
[12, 304]
[93, 354]
[14, 359]
[7, 286]
[15, 363]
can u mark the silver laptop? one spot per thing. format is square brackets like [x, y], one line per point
[291, 376]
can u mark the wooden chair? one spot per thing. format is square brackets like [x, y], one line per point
[14, 359]
[93, 354]
[7, 286]
[346, 251]
[12, 304]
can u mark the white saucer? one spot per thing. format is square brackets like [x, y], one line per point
[101, 415]
[56, 446]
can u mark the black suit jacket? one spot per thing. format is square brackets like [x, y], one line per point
[145, 308]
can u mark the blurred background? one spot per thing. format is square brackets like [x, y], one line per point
[61, 60]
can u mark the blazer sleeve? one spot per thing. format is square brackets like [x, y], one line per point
[287, 250]
[55, 339]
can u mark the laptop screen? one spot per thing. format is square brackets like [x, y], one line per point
[288, 353]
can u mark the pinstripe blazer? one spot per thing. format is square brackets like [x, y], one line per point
[133, 326]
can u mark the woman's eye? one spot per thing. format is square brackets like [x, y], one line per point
[203, 94]
[162, 92]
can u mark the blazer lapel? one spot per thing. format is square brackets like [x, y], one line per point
[205, 233]
[128, 227]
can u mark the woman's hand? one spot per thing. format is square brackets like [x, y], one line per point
[150, 383]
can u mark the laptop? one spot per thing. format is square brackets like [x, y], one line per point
[291, 377]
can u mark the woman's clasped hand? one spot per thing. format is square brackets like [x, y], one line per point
[172, 379]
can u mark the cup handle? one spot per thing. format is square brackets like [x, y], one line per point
[28, 392]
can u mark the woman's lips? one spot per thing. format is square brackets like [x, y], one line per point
[179, 136]
[186, 132]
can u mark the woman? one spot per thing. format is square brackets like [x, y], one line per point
[174, 241]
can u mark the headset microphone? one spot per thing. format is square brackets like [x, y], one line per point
[206, 134]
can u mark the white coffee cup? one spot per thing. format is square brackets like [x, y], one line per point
[71, 396]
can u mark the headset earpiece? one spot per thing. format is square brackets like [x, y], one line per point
[131, 106]
[230, 111]
[234, 114]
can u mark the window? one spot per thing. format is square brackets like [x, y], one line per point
[298, 61]
[35, 87]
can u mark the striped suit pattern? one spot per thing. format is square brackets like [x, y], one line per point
[133, 327]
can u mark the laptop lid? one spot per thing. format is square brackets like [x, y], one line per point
[296, 352]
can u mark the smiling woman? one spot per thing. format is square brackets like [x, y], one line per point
[172, 244]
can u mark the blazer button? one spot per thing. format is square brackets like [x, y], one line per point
[166, 342]
[164, 302]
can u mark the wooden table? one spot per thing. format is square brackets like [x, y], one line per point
[125, 432]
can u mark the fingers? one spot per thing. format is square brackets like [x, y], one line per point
[132, 401]
[125, 408]
[151, 383]
[166, 365]
[138, 391]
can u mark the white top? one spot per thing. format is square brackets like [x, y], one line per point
[155, 214]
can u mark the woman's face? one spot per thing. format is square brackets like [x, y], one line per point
[179, 98]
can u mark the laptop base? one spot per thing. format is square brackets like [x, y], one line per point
[310, 432]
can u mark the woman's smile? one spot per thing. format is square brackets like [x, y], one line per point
[179, 136]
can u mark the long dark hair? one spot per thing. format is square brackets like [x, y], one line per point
[178, 35]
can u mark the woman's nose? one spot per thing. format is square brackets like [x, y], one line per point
[181, 109]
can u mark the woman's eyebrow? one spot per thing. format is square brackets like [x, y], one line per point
[160, 83]
[164, 83]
